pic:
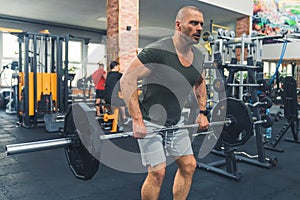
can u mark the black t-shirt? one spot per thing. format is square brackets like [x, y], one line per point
[112, 87]
[166, 89]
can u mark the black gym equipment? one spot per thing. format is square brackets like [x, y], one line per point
[85, 85]
[82, 163]
[290, 104]
[261, 160]
[234, 135]
[4, 97]
[54, 122]
[230, 108]
[254, 83]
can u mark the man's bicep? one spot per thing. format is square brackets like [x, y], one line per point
[200, 86]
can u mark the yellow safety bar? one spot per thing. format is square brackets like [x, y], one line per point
[218, 26]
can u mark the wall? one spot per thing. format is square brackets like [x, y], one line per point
[273, 51]
[243, 7]
[269, 17]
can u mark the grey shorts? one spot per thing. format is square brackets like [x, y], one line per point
[156, 147]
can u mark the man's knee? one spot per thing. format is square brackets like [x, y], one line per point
[157, 174]
[188, 165]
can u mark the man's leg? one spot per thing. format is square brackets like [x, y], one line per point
[153, 156]
[152, 184]
[98, 101]
[184, 175]
[123, 113]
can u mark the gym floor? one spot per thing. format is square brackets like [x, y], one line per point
[45, 175]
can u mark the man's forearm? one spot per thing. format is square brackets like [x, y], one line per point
[129, 91]
[201, 95]
[134, 72]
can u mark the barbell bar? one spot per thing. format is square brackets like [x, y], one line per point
[42, 145]
[245, 84]
[226, 122]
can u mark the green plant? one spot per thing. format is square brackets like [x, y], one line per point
[72, 69]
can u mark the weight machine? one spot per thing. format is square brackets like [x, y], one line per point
[43, 76]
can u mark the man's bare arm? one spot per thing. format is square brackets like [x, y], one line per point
[134, 72]
[201, 96]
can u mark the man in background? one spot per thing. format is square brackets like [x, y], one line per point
[99, 78]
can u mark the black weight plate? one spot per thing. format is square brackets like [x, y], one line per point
[219, 85]
[268, 121]
[267, 102]
[83, 164]
[240, 129]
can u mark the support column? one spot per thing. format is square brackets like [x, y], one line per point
[122, 30]
[242, 27]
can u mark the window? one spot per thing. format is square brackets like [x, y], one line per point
[10, 47]
[10, 53]
[96, 53]
[74, 52]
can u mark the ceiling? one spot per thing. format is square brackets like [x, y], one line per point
[154, 14]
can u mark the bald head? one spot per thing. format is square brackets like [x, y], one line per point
[183, 12]
[189, 24]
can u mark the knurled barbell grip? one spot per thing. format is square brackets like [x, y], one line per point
[130, 134]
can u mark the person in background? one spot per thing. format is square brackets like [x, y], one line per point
[112, 90]
[99, 78]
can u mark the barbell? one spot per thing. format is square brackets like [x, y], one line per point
[82, 137]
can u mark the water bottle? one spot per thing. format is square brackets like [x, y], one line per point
[268, 134]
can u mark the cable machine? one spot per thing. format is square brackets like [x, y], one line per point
[43, 76]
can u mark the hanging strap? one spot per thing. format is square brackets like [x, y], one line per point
[280, 61]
